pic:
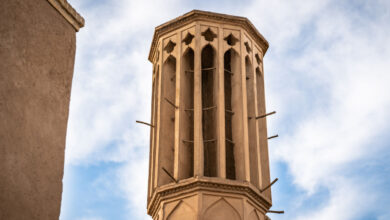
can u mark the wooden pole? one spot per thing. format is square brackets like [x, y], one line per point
[170, 175]
[262, 116]
[275, 136]
[276, 212]
[141, 122]
[265, 188]
[171, 103]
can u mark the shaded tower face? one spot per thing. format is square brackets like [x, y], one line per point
[208, 151]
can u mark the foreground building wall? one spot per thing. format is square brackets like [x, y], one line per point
[37, 49]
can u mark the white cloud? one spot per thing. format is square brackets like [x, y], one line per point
[111, 89]
[333, 93]
[337, 87]
[112, 80]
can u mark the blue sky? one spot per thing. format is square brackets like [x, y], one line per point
[326, 73]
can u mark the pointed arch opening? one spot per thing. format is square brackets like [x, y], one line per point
[167, 123]
[186, 161]
[252, 135]
[260, 91]
[209, 117]
[235, 161]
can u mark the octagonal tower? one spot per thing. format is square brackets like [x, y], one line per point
[208, 145]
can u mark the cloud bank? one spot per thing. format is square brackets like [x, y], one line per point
[327, 76]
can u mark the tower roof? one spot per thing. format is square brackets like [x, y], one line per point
[197, 15]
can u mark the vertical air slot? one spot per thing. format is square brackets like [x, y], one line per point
[167, 128]
[186, 158]
[228, 75]
[209, 122]
[252, 136]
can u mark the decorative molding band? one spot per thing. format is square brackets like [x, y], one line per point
[207, 184]
[197, 15]
[68, 12]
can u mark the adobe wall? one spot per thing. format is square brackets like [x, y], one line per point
[37, 49]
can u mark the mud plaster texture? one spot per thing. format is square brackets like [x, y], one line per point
[37, 48]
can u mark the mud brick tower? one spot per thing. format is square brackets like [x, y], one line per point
[208, 146]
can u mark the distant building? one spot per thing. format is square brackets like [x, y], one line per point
[209, 145]
[37, 50]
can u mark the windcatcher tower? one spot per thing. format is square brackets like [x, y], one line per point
[208, 146]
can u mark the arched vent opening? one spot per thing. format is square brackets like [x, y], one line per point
[260, 91]
[230, 161]
[186, 163]
[209, 122]
[252, 136]
[167, 128]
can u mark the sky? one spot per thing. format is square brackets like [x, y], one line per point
[326, 74]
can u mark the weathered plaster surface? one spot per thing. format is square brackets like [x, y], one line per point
[37, 48]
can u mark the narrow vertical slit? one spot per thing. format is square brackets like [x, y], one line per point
[208, 117]
[229, 145]
[186, 161]
[250, 94]
[167, 129]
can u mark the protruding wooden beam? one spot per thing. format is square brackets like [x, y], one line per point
[170, 175]
[276, 212]
[275, 136]
[269, 185]
[209, 108]
[230, 141]
[171, 103]
[211, 140]
[228, 71]
[211, 68]
[187, 141]
[141, 122]
[265, 115]
[229, 111]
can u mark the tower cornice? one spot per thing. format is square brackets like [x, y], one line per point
[198, 184]
[198, 15]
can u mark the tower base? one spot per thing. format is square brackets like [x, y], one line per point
[208, 198]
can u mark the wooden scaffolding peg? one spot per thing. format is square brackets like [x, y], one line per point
[170, 175]
[211, 68]
[211, 140]
[229, 111]
[171, 103]
[265, 115]
[141, 122]
[209, 108]
[228, 71]
[275, 136]
[269, 185]
[276, 212]
[188, 141]
[230, 141]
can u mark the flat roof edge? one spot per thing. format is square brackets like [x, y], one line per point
[69, 13]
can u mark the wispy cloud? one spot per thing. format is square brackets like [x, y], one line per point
[327, 75]
[328, 78]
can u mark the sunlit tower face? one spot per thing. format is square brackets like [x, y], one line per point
[208, 139]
